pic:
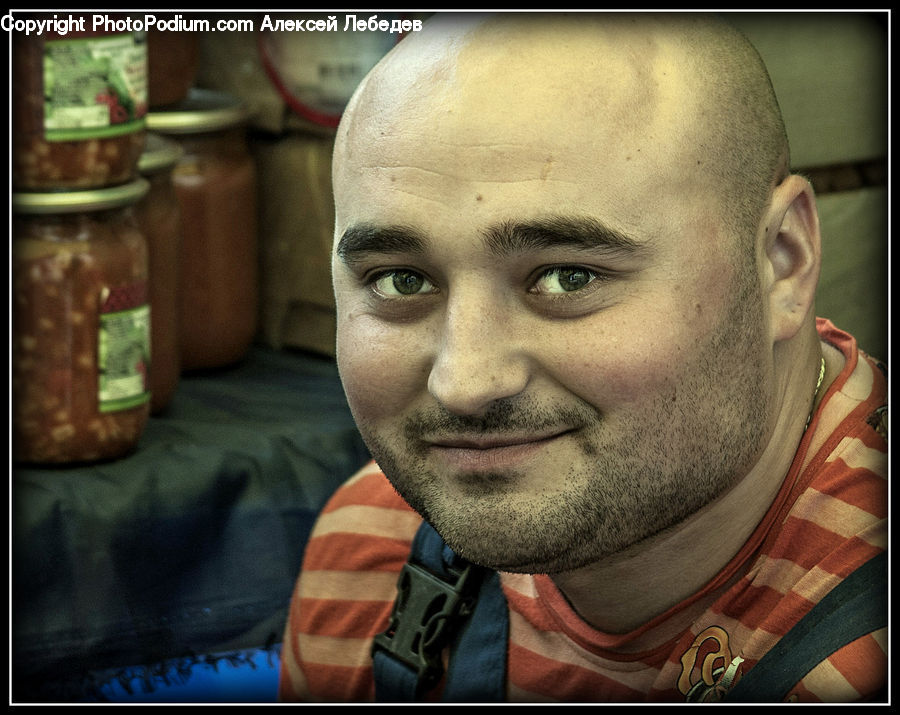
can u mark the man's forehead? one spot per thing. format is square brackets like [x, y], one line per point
[566, 83]
[520, 65]
[577, 112]
[548, 42]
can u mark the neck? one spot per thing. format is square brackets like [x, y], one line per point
[628, 589]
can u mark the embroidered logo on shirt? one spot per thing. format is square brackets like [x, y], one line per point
[708, 668]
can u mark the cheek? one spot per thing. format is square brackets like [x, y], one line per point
[382, 369]
[607, 378]
[635, 359]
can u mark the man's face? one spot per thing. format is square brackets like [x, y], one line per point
[542, 333]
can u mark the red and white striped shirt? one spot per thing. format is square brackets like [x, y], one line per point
[829, 517]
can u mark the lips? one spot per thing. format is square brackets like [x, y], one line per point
[490, 451]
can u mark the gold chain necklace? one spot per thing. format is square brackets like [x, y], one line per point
[816, 393]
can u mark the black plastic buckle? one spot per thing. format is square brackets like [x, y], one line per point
[422, 620]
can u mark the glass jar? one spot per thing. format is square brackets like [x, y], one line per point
[172, 62]
[215, 182]
[80, 325]
[78, 106]
[159, 216]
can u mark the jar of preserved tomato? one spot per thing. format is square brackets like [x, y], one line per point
[79, 102]
[215, 182]
[80, 325]
[159, 216]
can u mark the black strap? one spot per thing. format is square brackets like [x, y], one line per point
[855, 607]
[443, 600]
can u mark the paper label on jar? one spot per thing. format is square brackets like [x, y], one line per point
[124, 349]
[95, 87]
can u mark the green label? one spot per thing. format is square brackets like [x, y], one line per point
[94, 87]
[124, 359]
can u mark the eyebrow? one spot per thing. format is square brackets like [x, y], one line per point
[505, 239]
[580, 232]
[361, 240]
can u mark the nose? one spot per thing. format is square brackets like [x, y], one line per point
[480, 358]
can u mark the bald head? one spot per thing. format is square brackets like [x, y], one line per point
[536, 227]
[684, 97]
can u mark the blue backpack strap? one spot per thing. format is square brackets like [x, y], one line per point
[855, 607]
[443, 600]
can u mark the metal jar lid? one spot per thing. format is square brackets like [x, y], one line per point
[159, 154]
[58, 202]
[203, 110]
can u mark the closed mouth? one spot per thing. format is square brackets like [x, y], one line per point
[491, 441]
[490, 452]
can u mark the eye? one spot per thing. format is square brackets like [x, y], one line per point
[402, 282]
[563, 279]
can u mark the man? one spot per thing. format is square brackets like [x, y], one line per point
[575, 283]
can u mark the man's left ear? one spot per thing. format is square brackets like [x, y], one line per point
[793, 251]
